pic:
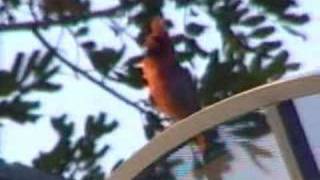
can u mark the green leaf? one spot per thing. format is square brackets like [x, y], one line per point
[262, 32]
[193, 12]
[277, 66]
[46, 86]
[253, 20]
[256, 63]
[19, 110]
[195, 29]
[295, 32]
[179, 38]
[293, 66]
[282, 56]
[44, 63]
[82, 31]
[234, 5]
[111, 126]
[102, 151]
[217, 79]
[132, 77]
[296, 19]
[17, 66]
[8, 83]
[276, 7]
[89, 45]
[185, 56]
[104, 60]
[266, 47]
[191, 45]
[117, 164]
[253, 125]
[31, 64]
[14, 3]
[238, 14]
[63, 128]
[47, 75]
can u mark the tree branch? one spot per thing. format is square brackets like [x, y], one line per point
[51, 22]
[84, 73]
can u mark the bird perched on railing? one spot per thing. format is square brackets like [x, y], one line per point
[172, 88]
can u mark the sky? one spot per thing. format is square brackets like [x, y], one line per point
[78, 100]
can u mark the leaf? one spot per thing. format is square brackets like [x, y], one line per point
[296, 19]
[117, 165]
[185, 56]
[149, 132]
[46, 86]
[218, 79]
[253, 20]
[132, 77]
[89, 45]
[179, 38]
[282, 56]
[104, 60]
[8, 83]
[19, 110]
[277, 66]
[255, 151]
[234, 5]
[111, 126]
[31, 64]
[82, 31]
[195, 29]
[256, 63]
[59, 158]
[14, 3]
[193, 12]
[154, 121]
[102, 151]
[265, 47]
[275, 7]
[295, 32]
[45, 61]
[238, 14]
[46, 75]
[17, 66]
[63, 128]
[252, 125]
[191, 45]
[262, 32]
[293, 66]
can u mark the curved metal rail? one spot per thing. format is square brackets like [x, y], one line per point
[214, 115]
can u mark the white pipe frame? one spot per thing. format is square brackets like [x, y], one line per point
[214, 115]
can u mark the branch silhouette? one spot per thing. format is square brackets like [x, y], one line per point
[29, 25]
[84, 73]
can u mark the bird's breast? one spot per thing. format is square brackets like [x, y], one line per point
[161, 83]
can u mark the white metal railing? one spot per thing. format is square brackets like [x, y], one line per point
[221, 112]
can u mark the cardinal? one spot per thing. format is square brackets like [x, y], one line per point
[172, 88]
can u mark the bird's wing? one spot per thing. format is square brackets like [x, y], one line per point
[184, 90]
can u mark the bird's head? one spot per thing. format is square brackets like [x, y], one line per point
[158, 41]
[158, 25]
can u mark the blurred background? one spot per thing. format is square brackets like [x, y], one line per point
[72, 103]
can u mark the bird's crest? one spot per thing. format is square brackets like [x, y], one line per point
[158, 42]
[158, 26]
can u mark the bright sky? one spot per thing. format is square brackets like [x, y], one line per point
[77, 100]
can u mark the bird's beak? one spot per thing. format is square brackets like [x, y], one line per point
[139, 65]
[136, 61]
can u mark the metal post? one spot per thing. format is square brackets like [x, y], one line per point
[298, 141]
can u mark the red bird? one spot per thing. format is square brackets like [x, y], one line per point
[171, 87]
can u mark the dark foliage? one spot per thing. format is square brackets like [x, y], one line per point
[249, 57]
